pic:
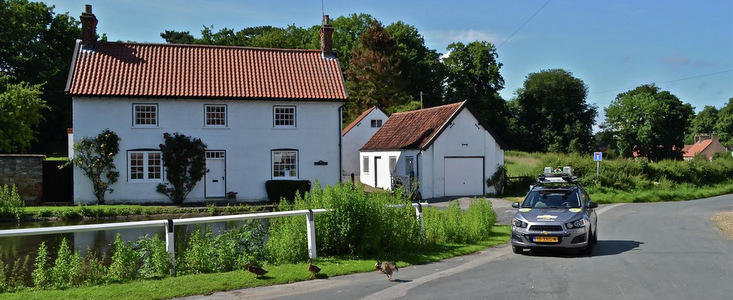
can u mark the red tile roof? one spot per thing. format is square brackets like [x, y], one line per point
[198, 71]
[696, 148]
[413, 129]
[357, 120]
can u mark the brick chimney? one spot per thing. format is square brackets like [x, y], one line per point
[326, 37]
[88, 28]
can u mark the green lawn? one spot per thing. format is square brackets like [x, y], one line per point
[208, 283]
[57, 158]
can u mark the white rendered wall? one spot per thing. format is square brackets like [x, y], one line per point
[384, 176]
[248, 140]
[464, 138]
[354, 139]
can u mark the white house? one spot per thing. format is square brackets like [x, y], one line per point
[354, 136]
[263, 113]
[445, 148]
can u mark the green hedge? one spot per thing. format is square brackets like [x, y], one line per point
[286, 189]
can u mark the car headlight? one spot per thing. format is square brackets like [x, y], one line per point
[519, 223]
[576, 224]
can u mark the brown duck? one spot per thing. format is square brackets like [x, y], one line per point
[387, 268]
[313, 269]
[256, 270]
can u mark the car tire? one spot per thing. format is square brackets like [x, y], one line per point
[517, 250]
[589, 247]
[594, 238]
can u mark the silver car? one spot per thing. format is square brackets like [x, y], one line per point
[557, 213]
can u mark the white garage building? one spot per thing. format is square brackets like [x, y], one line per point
[354, 135]
[445, 148]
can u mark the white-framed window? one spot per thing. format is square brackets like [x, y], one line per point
[144, 166]
[409, 165]
[376, 123]
[365, 166]
[283, 116]
[392, 164]
[145, 115]
[215, 115]
[285, 164]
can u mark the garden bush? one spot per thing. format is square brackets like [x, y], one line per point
[456, 226]
[11, 205]
[286, 189]
[231, 250]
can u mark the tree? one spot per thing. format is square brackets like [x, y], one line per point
[21, 110]
[373, 77]
[650, 122]
[703, 122]
[553, 112]
[420, 66]
[185, 165]
[36, 46]
[473, 74]
[95, 157]
[724, 125]
[177, 37]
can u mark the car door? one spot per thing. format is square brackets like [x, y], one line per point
[589, 211]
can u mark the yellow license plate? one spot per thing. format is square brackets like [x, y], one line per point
[545, 239]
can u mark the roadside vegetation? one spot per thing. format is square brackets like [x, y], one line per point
[629, 180]
[360, 229]
[11, 205]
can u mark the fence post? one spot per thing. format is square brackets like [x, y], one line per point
[311, 232]
[170, 246]
[418, 214]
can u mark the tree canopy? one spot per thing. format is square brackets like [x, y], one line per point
[21, 110]
[724, 124]
[552, 113]
[650, 122]
[36, 45]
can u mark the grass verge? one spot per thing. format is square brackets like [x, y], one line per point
[199, 284]
[724, 221]
[677, 193]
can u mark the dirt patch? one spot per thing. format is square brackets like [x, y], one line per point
[724, 221]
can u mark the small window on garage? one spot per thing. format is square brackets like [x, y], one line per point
[409, 165]
[365, 165]
[392, 164]
[376, 123]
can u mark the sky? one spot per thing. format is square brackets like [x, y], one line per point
[685, 47]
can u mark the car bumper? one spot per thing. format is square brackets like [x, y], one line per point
[568, 238]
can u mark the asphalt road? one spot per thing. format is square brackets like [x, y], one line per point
[669, 250]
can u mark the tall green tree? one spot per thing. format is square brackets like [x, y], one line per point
[724, 125]
[421, 66]
[650, 122]
[21, 110]
[553, 113]
[702, 122]
[472, 73]
[374, 77]
[36, 45]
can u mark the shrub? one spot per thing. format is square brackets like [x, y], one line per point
[95, 157]
[287, 189]
[154, 257]
[124, 261]
[92, 270]
[231, 250]
[359, 224]
[11, 204]
[42, 273]
[455, 226]
[66, 268]
[185, 165]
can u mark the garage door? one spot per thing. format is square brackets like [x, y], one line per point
[464, 176]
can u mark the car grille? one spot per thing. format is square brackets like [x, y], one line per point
[545, 228]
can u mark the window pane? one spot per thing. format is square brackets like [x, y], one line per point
[392, 163]
[136, 165]
[285, 164]
[146, 114]
[366, 163]
[216, 115]
[284, 115]
[154, 165]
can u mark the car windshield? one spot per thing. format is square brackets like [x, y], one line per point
[552, 199]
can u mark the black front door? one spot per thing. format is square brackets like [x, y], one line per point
[376, 163]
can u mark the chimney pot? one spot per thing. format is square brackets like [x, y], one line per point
[326, 33]
[88, 27]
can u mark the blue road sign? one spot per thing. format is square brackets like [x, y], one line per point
[597, 156]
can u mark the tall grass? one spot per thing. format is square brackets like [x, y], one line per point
[455, 226]
[11, 205]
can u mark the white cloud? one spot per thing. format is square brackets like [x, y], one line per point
[445, 37]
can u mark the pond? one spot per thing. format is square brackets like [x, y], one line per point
[100, 242]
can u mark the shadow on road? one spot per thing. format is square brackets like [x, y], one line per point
[602, 248]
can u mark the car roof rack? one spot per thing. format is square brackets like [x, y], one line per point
[557, 175]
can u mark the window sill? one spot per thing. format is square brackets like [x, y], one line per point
[285, 128]
[143, 181]
[145, 127]
[216, 127]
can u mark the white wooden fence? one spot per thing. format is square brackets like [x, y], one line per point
[170, 223]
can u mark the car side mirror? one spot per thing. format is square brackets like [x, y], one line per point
[592, 205]
[515, 204]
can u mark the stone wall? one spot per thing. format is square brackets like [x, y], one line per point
[26, 172]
